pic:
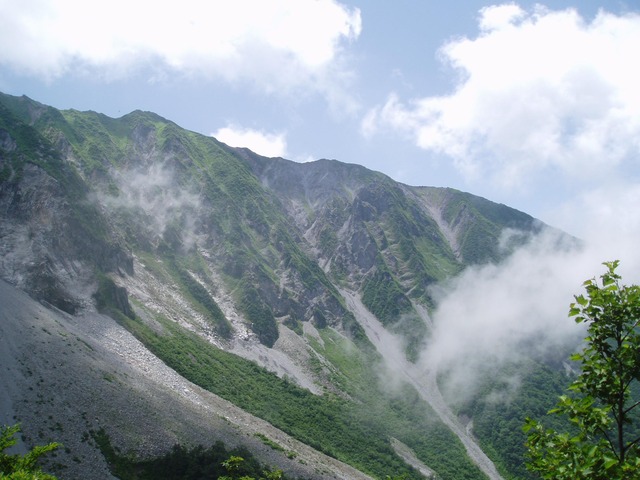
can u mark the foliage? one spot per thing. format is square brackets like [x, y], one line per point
[201, 298]
[356, 332]
[414, 252]
[248, 229]
[355, 432]
[270, 443]
[234, 464]
[21, 467]
[603, 440]
[180, 463]
[263, 323]
[482, 224]
[382, 295]
[112, 299]
[509, 394]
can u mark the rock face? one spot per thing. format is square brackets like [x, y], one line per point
[140, 219]
[53, 239]
[82, 192]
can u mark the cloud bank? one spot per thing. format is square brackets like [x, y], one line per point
[275, 44]
[262, 143]
[543, 101]
[493, 315]
[538, 93]
[154, 191]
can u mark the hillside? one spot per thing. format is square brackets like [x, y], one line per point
[213, 294]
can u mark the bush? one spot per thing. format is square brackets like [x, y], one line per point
[21, 467]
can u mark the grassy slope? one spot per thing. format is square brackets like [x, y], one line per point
[498, 422]
[355, 431]
[253, 238]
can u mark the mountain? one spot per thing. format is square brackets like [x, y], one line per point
[161, 288]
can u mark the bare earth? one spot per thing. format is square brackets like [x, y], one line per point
[63, 376]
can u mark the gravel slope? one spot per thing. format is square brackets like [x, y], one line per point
[62, 376]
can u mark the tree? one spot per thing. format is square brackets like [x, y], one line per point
[21, 467]
[601, 405]
[233, 465]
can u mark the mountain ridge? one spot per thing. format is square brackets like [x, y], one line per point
[173, 234]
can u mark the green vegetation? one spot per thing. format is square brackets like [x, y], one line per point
[31, 146]
[414, 331]
[355, 332]
[415, 252]
[240, 231]
[111, 299]
[382, 295]
[395, 406]
[353, 373]
[508, 395]
[180, 463]
[420, 245]
[234, 464]
[602, 403]
[354, 432]
[21, 467]
[276, 446]
[202, 300]
[325, 423]
[263, 323]
[482, 221]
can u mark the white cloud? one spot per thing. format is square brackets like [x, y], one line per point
[272, 43]
[266, 144]
[606, 215]
[495, 314]
[496, 17]
[539, 92]
[492, 315]
[543, 100]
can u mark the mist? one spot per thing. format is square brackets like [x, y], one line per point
[497, 314]
[164, 202]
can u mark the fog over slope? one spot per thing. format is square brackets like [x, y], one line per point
[494, 314]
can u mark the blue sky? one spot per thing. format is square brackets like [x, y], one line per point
[531, 105]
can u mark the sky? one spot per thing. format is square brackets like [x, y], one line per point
[531, 105]
[534, 105]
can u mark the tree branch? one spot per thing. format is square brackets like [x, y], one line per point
[631, 407]
[629, 445]
[630, 330]
[611, 445]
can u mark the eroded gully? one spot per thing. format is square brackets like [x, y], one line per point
[424, 382]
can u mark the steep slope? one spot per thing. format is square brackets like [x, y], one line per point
[424, 382]
[389, 241]
[54, 237]
[219, 260]
[67, 377]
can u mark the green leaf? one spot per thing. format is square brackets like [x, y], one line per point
[609, 462]
[598, 405]
[581, 300]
